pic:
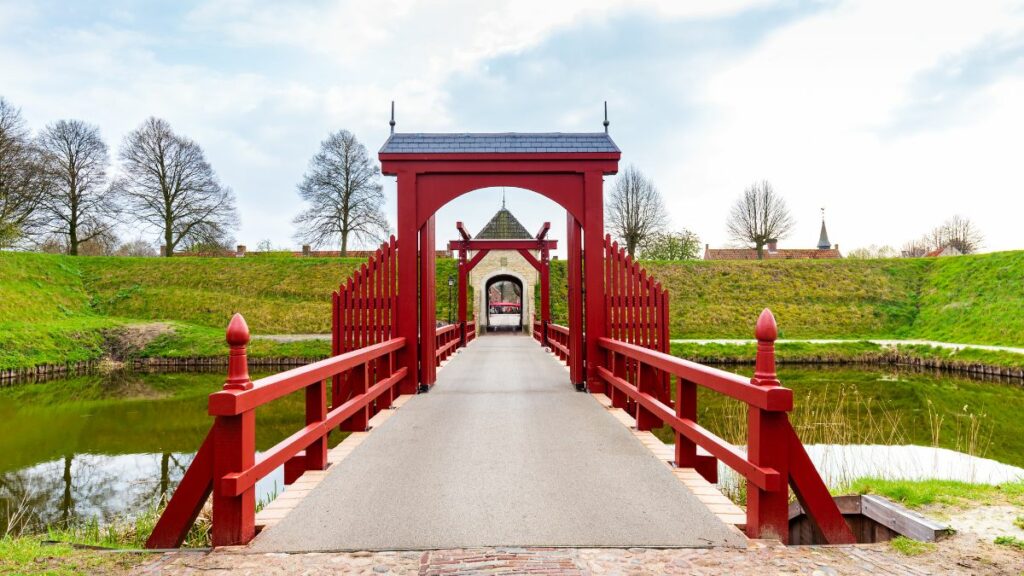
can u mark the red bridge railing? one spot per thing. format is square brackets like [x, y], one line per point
[446, 339]
[227, 464]
[775, 458]
[558, 339]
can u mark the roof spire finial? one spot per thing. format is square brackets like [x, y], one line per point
[392, 123]
[606, 122]
[823, 243]
[503, 198]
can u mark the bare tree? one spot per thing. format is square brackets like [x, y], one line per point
[344, 194]
[760, 215]
[957, 232]
[137, 247]
[635, 210]
[21, 185]
[962, 234]
[79, 205]
[873, 251]
[169, 185]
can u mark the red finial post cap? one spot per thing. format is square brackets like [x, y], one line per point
[766, 333]
[238, 362]
[766, 329]
[238, 331]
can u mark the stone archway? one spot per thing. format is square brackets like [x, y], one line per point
[482, 279]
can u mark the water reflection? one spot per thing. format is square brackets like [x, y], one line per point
[87, 486]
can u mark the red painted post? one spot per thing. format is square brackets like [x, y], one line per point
[408, 286]
[234, 517]
[428, 313]
[545, 293]
[316, 411]
[593, 255]
[463, 296]
[767, 510]
[576, 301]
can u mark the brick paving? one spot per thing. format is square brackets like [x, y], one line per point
[962, 554]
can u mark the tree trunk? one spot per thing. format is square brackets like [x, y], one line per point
[168, 239]
[344, 243]
[760, 251]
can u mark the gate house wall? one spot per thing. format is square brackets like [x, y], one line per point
[496, 263]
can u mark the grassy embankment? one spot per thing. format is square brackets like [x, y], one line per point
[56, 309]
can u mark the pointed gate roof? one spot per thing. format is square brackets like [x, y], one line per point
[503, 226]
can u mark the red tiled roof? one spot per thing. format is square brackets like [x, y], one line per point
[784, 254]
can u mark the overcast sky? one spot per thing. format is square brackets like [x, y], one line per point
[893, 115]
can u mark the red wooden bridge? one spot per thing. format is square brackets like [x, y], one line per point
[503, 450]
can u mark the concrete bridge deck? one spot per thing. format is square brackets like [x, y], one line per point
[501, 452]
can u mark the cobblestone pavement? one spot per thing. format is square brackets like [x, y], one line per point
[962, 554]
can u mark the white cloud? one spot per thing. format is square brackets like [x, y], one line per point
[815, 107]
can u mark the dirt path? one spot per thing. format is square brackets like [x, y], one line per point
[962, 554]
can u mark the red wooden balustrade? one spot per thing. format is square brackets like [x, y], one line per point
[470, 331]
[227, 464]
[558, 339]
[538, 331]
[446, 341]
[775, 458]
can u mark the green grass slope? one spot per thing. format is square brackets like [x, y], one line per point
[56, 308]
[810, 299]
[976, 299]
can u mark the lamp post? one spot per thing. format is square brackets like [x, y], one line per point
[451, 282]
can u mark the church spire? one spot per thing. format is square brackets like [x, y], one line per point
[823, 243]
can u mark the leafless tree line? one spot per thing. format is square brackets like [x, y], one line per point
[958, 232]
[57, 192]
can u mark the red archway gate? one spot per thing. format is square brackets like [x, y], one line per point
[433, 169]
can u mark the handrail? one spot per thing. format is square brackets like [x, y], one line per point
[265, 390]
[775, 457]
[727, 383]
[362, 382]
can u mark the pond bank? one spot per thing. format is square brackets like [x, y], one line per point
[190, 348]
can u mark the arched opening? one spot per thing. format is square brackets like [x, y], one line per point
[504, 295]
[433, 169]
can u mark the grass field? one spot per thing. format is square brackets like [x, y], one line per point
[56, 309]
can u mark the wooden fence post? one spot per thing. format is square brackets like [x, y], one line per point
[767, 510]
[234, 517]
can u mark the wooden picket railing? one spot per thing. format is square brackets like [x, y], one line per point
[226, 464]
[637, 313]
[363, 309]
[775, 458]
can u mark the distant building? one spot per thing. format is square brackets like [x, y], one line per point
[824, 251]
[503, 281]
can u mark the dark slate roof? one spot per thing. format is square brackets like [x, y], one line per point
[503, 226]
[550, 142]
